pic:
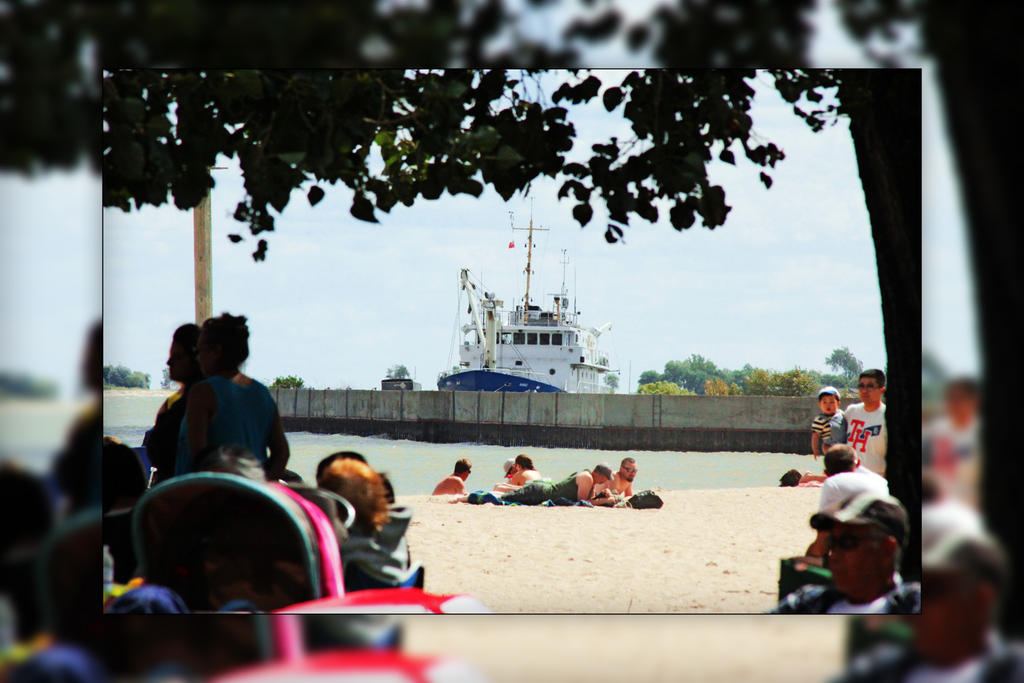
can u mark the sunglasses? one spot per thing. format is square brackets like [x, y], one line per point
[849, 541]
[629, 469]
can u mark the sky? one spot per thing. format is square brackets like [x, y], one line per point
[339, 301]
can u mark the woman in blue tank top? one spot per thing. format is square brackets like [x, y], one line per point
[230, 408]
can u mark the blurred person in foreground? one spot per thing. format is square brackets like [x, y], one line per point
[376, 553]
[77, 467]
[952, 441]
[866, 537]
[965, 575]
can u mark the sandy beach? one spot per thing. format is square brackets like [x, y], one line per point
[713, 551]
[707, 649]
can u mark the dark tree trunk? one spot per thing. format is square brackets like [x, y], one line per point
[980, 71]
[885, 121]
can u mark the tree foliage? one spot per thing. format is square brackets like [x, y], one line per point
[664, 387]
[719, 387]
[289, 382]
[843, 361]
[612, 380]
[795, 382]
[120, 376]
[398, 371]
[26, 386]
[435, 132]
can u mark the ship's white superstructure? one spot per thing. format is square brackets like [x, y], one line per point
[527, 348]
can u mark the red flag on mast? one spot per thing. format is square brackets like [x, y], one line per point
[511, 245]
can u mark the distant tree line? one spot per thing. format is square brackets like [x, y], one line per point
[26, 386]
[698, 375]
[289, 382]
[120, 376]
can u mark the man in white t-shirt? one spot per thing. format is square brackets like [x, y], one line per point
[865, 421]
[845, 477]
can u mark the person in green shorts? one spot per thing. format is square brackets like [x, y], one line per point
[577, 486]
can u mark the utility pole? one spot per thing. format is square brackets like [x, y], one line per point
[203, 257]
[202, 243]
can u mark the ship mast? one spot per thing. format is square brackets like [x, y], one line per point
[529, 258]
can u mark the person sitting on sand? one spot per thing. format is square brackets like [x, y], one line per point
[577, 486]
[456, 481]
[845, 477]
[866, 536]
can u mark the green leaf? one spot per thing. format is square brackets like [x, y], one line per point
[766, 179]
[314, 195]
[681, 215]
[294, 158]
[613, 234]
[235, 238]
[582, 213]
[362, 209]
[727, 157]
[612, 98]
[508, 157]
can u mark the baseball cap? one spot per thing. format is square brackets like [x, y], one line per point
[882, 511]
[828, 390]
[508, 464]
[970, 552]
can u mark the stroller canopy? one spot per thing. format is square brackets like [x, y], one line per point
[216, 538]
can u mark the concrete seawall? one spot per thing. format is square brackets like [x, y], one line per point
[596, 421]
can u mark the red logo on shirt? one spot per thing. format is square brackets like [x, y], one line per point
[859, 435]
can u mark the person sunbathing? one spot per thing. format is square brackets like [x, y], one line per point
[520, 473]
[577, 486]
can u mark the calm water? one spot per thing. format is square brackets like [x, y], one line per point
[415, 468]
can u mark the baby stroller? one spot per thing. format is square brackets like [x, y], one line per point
[224, 542]
[220, 540]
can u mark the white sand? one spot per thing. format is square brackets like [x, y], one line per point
[635, 648]
[707, 551]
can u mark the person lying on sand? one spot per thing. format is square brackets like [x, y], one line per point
[454, 482]
[521, 472]
[577, 486]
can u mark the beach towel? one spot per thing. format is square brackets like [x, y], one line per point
[566, 502]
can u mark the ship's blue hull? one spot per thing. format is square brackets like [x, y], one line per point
[488, 380]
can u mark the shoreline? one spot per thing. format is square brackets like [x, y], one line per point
[705, 551]
[125, 391]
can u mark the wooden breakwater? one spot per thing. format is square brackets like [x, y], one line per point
[597, 421]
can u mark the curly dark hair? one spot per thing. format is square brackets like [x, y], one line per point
[525, 462]
[231, 333]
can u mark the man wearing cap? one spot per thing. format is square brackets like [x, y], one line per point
[829, 427]
[866, 536]
[506, 484]
[844, 477]
[955, 637]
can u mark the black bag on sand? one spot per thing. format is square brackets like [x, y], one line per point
[645, 500]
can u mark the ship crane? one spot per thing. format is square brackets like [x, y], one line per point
[484, 318]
